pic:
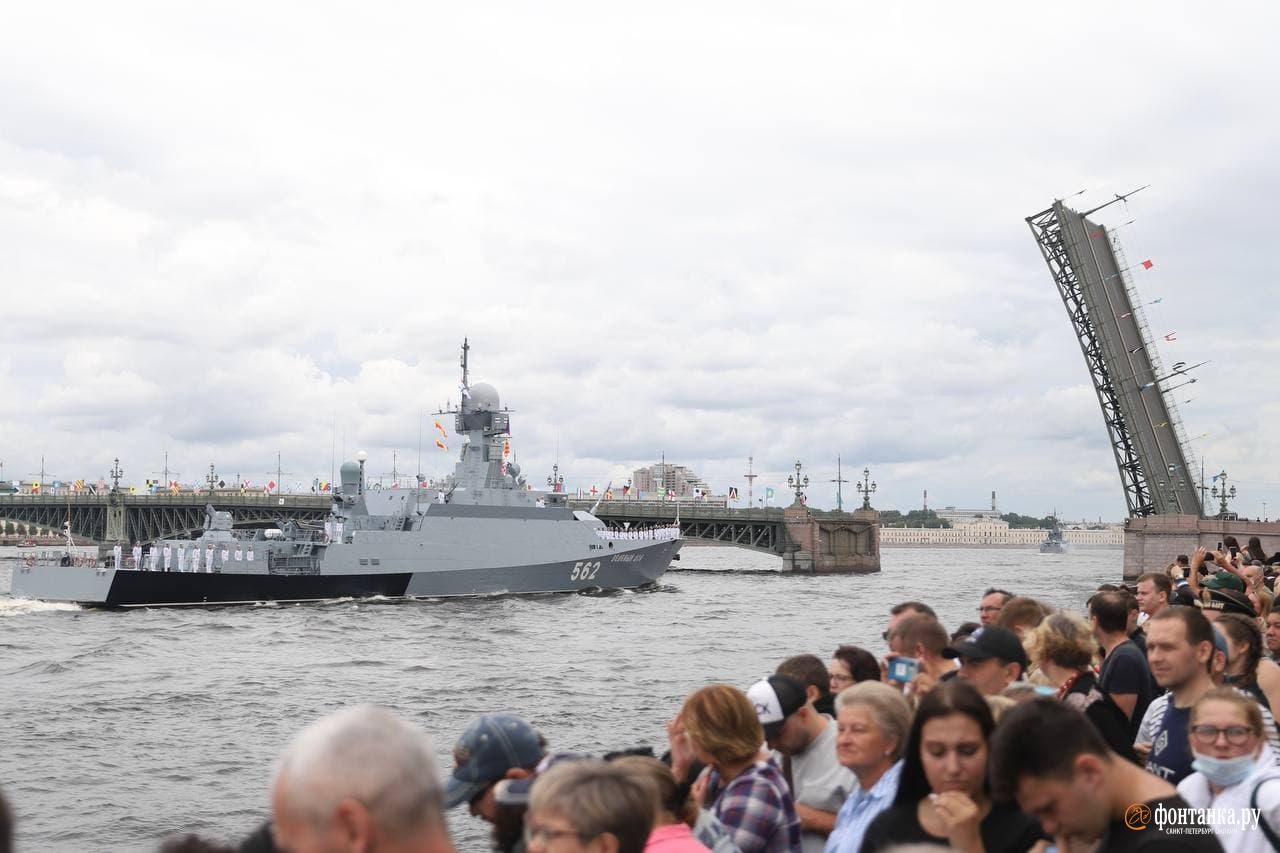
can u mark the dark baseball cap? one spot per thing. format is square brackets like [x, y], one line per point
[491, 745]
[989, 642]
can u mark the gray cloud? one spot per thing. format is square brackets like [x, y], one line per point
[715, 232]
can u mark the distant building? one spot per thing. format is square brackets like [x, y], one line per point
[986, 532]
[661, 478]
[959, 515]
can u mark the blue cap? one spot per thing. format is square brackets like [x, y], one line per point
[491, 745]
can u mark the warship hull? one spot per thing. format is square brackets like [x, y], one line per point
[105, 587]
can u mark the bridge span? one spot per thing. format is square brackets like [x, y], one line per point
[119, 517]
[805, 539]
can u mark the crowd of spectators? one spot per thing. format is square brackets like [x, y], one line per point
[1142, 722]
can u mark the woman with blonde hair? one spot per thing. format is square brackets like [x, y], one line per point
[719, 726]
[1063, 646]
[1234, 767]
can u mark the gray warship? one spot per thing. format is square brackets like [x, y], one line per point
[482, 532]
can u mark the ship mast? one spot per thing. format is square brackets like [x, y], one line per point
[466, 383]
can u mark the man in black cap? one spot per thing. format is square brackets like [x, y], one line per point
[991, 659]
[807, 740]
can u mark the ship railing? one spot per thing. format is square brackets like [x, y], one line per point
[666, 532]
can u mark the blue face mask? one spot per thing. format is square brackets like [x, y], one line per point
[1223, 771]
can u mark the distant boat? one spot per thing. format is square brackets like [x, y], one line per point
[1056, 543]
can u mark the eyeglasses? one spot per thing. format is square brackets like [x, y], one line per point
[839, 676]
[543, 836]
[990, 608]
[1236, 735]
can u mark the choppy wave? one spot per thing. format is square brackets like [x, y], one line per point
[10, 606]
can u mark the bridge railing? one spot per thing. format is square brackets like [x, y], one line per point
[181, 499]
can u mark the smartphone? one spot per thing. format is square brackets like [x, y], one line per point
[1219, 548]
[903, 669]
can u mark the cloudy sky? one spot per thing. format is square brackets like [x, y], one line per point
[709, 231]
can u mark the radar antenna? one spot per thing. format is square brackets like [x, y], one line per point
[466, 382]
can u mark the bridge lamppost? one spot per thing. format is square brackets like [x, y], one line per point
[866, 488]
[211, 479]
[555, 481]
[116, 473]
[798, 483]
[1223, 494]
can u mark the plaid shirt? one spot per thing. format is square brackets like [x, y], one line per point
[757, 810]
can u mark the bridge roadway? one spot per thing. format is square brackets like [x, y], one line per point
[144, 518]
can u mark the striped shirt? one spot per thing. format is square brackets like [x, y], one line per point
[860, 809]
[1165, 727]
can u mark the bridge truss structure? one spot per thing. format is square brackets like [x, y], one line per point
[148, 518]
[1092, 276]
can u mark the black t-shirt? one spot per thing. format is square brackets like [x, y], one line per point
[1108, 719]
[1005, 829]
[1125, 670]
[1123, 839]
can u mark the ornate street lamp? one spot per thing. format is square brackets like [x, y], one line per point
[798, 483]
[866, 488]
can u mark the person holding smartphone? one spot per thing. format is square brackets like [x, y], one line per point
[915, 654]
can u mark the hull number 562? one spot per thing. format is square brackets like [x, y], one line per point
[584, 571]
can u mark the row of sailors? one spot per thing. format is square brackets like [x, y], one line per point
[192, 559]
[671, 532]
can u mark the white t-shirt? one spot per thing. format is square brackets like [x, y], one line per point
[820, 781]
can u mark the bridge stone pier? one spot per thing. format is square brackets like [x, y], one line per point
[807, 541]
[1154, 541]
[831, 544]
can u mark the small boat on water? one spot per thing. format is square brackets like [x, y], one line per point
[1056, 541]
[484, 531]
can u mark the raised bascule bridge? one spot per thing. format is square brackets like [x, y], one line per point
[1161, 480]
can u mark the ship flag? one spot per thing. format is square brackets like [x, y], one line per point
[733, 493]
[440, 427]
[1148, 264]
[440, 444]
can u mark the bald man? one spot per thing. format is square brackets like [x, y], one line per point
[361, 779]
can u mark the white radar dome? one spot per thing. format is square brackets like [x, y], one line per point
[484, 397]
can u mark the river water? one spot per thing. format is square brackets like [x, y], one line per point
[118, 728]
